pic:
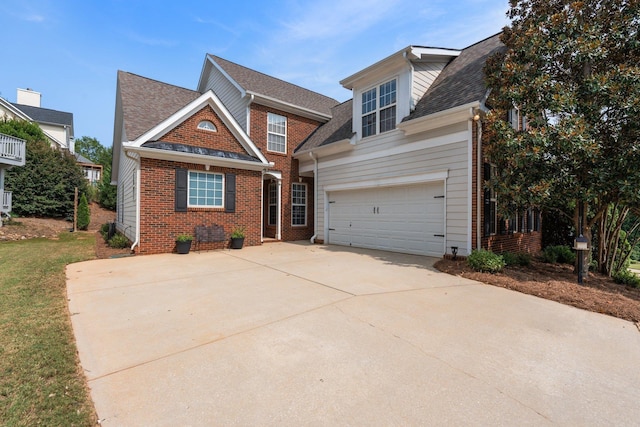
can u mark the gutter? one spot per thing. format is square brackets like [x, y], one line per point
[137, 161]
[315, 196]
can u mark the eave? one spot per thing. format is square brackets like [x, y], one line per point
[327, 150]
[199, 159]
[440, 119]
[288, 107]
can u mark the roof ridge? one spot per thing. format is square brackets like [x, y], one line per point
[157, 81]
[15, 104]
[271, 77]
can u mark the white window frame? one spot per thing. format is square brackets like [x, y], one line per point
[276, 130]
[189, 188]
[373, 106]
[272, 202]
[207, 125]
[298, 205]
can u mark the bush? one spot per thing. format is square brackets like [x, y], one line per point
[627, 278]
[559, 254]
[84, 217]
[486, 261]
[104, 231]
[520, 258]
[118, 241]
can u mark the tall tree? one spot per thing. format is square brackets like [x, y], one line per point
[572, 69]
[98, 153]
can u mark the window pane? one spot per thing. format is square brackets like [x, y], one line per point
[387, 119]
[369, 101]
[369, 125]
[276, 133]
[387, 94]
[205, 189]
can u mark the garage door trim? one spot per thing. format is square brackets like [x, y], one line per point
[424, 178]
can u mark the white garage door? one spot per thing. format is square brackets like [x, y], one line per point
[408, 219]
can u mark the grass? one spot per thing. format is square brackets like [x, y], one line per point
[635, 265]
[41, 382]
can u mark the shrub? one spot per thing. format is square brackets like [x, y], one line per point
[184, 238]
[118, 241]
[559, 254]
[520, 258]
[486, 261]
[84, 217]
[627, 278]
[104, 231]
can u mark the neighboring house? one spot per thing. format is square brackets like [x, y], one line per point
[56, 125]
[399, 167]
[12, 153]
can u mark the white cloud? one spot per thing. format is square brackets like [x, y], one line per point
[34, 18]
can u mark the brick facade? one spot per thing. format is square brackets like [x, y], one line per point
[298, 129]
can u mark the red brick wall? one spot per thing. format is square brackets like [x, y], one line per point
[188, 133]
[529, 242]
[160, 224]
[298, 129]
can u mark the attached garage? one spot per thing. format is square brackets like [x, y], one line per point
[406, 218]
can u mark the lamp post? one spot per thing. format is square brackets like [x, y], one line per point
[581, 245]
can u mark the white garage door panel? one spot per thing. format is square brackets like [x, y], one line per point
[406, 219]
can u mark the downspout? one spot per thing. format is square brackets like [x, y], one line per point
[479, 224]
[315, 197]
[137, 162]
[262, 208]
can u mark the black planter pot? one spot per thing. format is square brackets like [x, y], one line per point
[183, 247]
[237, 242]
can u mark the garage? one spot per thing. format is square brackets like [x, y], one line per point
[407, 218]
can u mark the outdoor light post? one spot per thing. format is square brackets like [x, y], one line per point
[581, 245]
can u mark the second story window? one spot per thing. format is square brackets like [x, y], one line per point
[379, 109]
[276, 133]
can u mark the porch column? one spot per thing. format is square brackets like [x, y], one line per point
[279, 212]
[1, 191]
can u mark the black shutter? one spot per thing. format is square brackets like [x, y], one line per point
[181, 190]
[230, 193]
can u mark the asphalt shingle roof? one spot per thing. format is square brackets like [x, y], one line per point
[461, 82]
[46, 115]
[336, 129]
[147, 102]
[259, 83]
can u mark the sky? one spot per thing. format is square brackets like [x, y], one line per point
[70, 50]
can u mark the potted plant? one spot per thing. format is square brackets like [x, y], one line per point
[237, 237]
[183, 243]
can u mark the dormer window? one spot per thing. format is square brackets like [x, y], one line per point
[207, 125]
[379, 109]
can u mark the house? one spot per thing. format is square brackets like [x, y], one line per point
[399, 167]
[216, 158]
[56, 125]
[12, 153]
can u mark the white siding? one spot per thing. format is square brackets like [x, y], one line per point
[393, 155]
[424, 73]
[229, 95]
[126, 210]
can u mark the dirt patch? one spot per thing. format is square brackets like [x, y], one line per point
[50, 228]
[557, 282]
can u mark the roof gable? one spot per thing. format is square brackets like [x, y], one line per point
[270, 89]
[337, 129]
[461, 82]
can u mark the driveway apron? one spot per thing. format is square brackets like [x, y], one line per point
[300, 334]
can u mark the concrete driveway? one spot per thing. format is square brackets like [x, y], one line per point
[296, 334]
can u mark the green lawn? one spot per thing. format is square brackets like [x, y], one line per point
[41, 382]
[635, 265]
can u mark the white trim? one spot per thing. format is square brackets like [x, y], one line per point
[390, 182]
[223, 72]
[189, 205]
[470, 159]
[268, 101]
[286, 128]
[329, 149]
[208, 98]
[200, 159]
[439, 119]
[306, 203]
[400, 149]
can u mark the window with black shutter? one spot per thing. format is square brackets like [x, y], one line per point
[230, 193]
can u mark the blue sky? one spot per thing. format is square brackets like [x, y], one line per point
[70, 50]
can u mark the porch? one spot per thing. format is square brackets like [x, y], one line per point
[12, 150]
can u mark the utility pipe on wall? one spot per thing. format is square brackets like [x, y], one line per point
[315, 197]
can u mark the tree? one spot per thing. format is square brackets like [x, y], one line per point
[84, 216]
[571, 68]
[45, 186]
[92, 149]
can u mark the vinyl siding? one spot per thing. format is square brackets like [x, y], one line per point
[126, 218]
[424, 73]
[374, 159]
[229, 95]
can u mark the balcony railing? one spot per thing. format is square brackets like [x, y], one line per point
[6, 201]
[12, 150]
